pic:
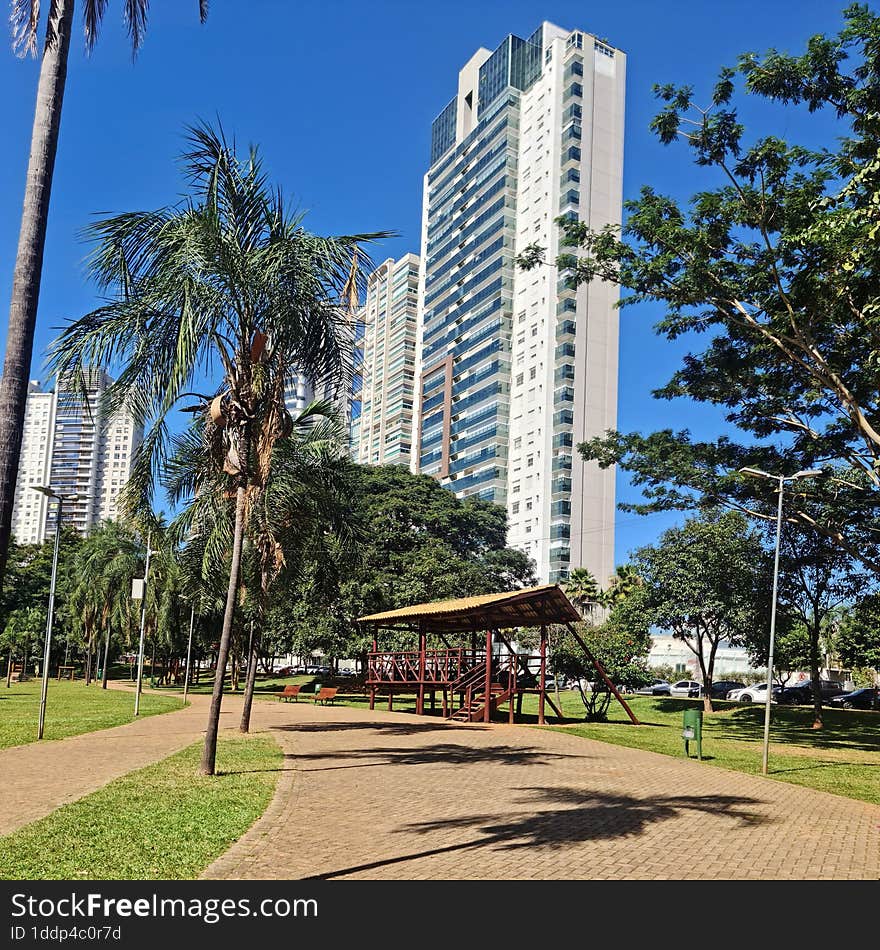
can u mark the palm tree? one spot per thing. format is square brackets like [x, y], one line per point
[32, 235]
[296, 502]
[583, 590]
[109, 558]
[227, 279]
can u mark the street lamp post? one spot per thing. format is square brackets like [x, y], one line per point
[192, 621]
[781, 480]
[44, 690]
[140, 676]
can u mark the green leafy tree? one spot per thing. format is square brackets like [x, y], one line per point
[25, 21]
[227, 279]
[420, 543]
[857, 635]
[705, 582]
[25, 628]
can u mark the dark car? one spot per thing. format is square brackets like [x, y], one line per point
[866, 698]
[720, 688]
[802, 693]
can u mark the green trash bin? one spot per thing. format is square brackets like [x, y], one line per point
[692, 731]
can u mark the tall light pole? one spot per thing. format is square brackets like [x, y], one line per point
[45, 687]
[140, 676]
[781, 480]
[189, 645]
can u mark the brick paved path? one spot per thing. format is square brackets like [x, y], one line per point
[378, 795]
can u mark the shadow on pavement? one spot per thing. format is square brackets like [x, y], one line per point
[583, 816]
[447, 753]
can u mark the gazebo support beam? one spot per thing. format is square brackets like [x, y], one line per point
[602, 673]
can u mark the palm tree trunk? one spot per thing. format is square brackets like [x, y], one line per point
[106, 658]
[209, 753]
[9, 670]
[245, 724]
[29, 259]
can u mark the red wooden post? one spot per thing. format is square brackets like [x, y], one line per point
[420, 704]
[543, 674]
[371, 673]
[487, 711]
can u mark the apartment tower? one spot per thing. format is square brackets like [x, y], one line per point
[73, 446]
[517, 368]
[390, 320]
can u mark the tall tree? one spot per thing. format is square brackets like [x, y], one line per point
[227, 279]
[705, 582]
[296, 501]
[26, 278]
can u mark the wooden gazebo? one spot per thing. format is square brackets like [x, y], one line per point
[473, 682]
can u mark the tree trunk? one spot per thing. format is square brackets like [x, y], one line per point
[104, 675]
[9, 670]
[209, 753]
[89, 660]
[245, 725]
[29, 259]
[814, 676]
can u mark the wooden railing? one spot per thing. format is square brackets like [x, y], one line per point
[440, 666]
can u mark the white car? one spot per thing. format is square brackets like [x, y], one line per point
[686, 688]
[757, 693]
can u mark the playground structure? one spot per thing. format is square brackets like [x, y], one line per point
[477, 679]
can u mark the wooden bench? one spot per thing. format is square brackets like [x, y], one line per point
[327, 694]
[290, 692]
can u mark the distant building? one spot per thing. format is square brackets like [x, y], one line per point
[390, 320]
[667, 651]
[34, 467]
[72, 446]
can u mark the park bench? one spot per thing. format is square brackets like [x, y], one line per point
[290, 692]
[326, 694]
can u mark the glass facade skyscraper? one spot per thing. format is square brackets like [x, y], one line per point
[516, 368]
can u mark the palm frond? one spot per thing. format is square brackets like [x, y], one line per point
[93, 17]
[24, 20]
[134, 13]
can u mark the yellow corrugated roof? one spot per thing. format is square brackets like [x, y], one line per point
[465, 605]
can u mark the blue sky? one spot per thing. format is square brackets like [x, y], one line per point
[340, 96]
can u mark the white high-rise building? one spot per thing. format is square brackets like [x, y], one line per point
[390, 320]
[34, 466]
[517, 368]
[73, 447]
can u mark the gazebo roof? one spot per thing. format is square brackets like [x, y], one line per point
[529, 607]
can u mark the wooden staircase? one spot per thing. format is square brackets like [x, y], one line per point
[472, 685]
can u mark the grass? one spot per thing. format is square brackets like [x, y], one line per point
[163, 822]
[71, 709]
[842, 758]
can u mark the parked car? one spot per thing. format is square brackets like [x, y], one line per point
[756, 693]
[656, 688]
[720, 688]
[689, 688]
[865, 698]
[801, 694]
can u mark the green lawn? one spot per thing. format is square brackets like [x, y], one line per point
[71, 709]
[843, 758]
[162, 822]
